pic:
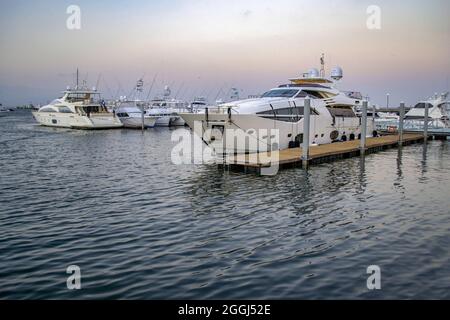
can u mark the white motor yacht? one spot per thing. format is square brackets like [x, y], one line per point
[130, 114]
[167, 109]
[158, 108]
[252, 121]
[78, 108]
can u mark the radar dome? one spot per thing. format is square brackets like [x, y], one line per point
[167, 91]
[337, 73]
[313, 73]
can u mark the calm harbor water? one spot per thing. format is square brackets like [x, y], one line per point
[138, 226]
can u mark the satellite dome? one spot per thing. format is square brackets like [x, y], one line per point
[337, 73]
[313, 73]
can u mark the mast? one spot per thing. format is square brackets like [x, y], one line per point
[77, 79]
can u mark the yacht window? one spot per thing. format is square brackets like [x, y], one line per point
[422, 106]
[47, 109]
[288, 111]
[64, 109]
[123, 115]
[283, 93]
[301, 94]
[341, 112]
[319, 94]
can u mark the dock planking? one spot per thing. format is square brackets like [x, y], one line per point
[317, 154]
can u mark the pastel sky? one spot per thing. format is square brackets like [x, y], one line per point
[200, 47]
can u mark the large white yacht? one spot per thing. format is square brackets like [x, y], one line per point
[333, 116]
[438, 112]
[78, 108]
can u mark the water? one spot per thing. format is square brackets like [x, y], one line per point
[138, 226]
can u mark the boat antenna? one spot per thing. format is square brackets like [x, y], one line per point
[98, 81]
[151, 86]
[77, 79]
[322, 66]
[218, 94]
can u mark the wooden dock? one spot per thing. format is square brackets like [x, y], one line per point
[289, 158]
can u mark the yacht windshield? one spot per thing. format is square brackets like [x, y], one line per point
[284, 93]
[422, 106]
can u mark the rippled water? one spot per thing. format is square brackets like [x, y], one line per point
[138, 226]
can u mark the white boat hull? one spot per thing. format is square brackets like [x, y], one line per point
[76, 121]
[250, 137]
[163, 121]
[136, 123]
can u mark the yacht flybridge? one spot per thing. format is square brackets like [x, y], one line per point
[333, 116]
[79, 108]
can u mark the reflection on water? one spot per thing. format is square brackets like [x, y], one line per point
[141, 227]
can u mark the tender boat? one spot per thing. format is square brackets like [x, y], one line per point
[78, 108]
[251, 121]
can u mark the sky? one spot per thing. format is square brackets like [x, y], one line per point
[205, 47]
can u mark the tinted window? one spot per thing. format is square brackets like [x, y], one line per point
[48, 109]
[287, 93]
[422, 106]
[64, 110]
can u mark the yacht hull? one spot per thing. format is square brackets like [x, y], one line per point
[163, 121]
[136, 123]
[75, 121]
[252, 133]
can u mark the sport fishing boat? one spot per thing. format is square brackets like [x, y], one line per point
[438, 112]
[130, 114]
[167, 109]
[158, 108]
[252, 121]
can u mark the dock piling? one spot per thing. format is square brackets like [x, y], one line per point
[362, 145]
[142, 118]
[373, 116]
[425, 123]
[306, 128]
[400, 123]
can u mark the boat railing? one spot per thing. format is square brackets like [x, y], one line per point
[409, 125]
